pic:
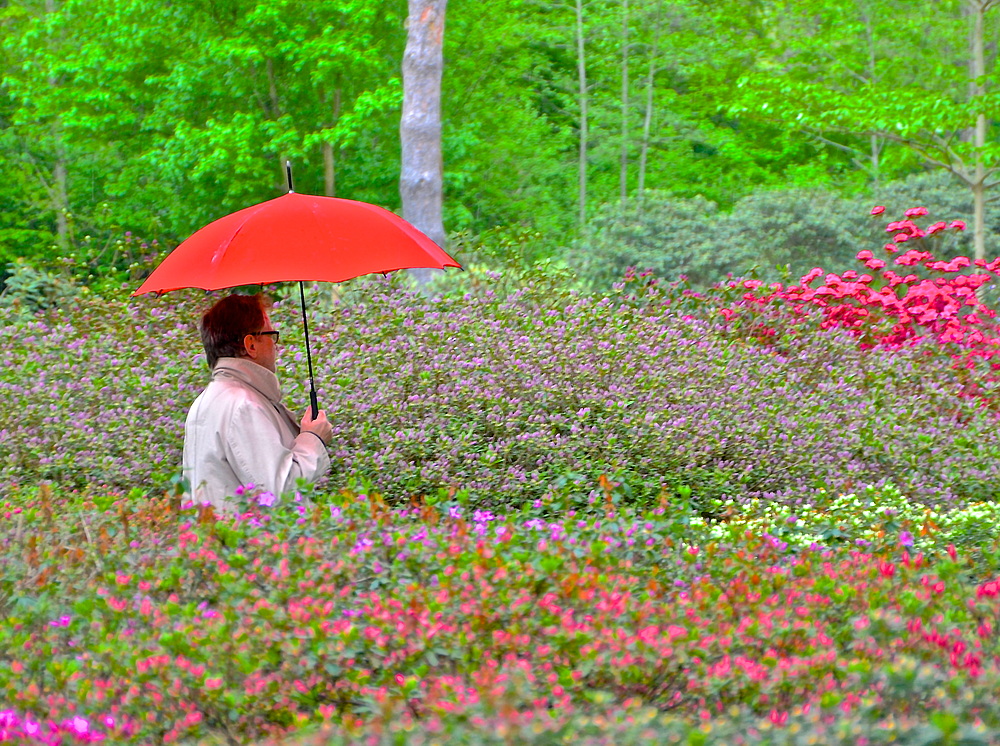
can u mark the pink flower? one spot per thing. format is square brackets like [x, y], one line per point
[878, 210]
[915, 212]
[936, 227]
[988, 589]
[910, 258]
[863, 255]
[958, 225]
[215, 683]
[812, 275]
[901, 237]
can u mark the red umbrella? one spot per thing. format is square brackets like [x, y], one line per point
[295, 238]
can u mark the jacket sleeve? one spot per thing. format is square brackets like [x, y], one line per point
[259, 454]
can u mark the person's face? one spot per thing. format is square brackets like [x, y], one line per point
[262, 347]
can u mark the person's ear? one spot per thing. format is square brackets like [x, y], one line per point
[250, 346]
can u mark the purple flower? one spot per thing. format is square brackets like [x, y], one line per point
[906, 539]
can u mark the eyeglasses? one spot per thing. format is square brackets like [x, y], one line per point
[273, 333]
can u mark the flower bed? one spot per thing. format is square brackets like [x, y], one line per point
[752, 517]
[504, 397]
[126, 622]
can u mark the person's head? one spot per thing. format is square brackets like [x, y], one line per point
[234, 327]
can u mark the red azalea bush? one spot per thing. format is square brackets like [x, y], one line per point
[927, 299]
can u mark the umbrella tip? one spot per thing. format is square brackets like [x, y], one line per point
[288, 173]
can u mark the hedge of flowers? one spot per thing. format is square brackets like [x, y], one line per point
[504, 394]
[579, 615]
[762, 515]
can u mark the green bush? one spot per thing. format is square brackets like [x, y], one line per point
[28, 288]
[670, 235]
[771, 234]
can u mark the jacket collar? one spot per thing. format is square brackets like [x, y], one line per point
[246, 371]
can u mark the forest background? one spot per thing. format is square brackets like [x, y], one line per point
[689, 137]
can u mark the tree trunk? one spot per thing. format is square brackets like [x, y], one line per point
[873, 82]
[979, 8]
[623, 165]
[329, 156]
[329, 171]
[275, 109]
[581, 67]
[59, 193]
[647, 121]
[422, 174]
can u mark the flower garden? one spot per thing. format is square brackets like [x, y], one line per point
[758, 515]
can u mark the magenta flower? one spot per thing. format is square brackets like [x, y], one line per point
[79, 726]
[915, 212]
[878, 210]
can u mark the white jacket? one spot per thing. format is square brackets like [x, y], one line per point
[238, 432]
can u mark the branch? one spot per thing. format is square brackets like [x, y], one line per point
[90, 543]
[831, 143]
[954, 164]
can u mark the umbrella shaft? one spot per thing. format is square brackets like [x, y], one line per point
[305, 327]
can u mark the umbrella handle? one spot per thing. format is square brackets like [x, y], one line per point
[314, 402]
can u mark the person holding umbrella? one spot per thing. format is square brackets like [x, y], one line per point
[238, 432]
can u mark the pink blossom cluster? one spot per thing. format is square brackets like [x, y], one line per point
[888, 307]
[21, 728]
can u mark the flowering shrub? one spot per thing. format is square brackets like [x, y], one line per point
[885, 308]
[504, 396]
[132, 624]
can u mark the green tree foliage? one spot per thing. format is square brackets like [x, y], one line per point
[174, 113]
[866, 72]
[155, 118]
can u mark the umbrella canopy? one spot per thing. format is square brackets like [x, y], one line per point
[296, 237]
